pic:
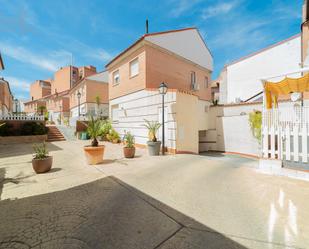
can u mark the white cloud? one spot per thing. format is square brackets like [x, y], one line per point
[50, 62]
[238, 35]
[20, 87]
[18, 84]
[287, 12]
[181, 6]
[219, 9]
[99, 54]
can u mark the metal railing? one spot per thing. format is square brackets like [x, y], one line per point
[17, 117]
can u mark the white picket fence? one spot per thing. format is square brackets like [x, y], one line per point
[285, 134]
[10, 117]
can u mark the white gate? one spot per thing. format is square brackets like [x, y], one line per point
[285, 134]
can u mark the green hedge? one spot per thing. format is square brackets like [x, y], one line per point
[27, 129]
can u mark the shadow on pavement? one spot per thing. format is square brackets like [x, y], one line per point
[106, 213]
[53, 170]
[2, 175]
[11, 150]
[19, 178]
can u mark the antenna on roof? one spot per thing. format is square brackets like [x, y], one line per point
[147, 26]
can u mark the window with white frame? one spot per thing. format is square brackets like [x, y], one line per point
[115, 113]
[206, 82]
[116, 77]
[134, 67]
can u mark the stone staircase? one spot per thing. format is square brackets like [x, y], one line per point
[54, 134]
[67, 132]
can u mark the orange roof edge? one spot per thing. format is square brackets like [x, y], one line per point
[142, 38]
[168, 31]
[263, 50]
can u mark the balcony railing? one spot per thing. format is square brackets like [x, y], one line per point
[17, 117]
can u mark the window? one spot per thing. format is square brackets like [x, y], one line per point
[206, 82]
[116, 77]
[115, 113]
[134, 68]
[193, 78]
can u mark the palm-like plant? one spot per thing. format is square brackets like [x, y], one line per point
[128, 140]
[153, 127]
[93, 129]
[40, 151]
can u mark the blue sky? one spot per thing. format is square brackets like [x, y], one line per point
[37, 37]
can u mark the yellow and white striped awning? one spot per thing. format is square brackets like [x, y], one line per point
[287, 86]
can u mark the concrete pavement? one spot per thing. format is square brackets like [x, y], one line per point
[182, 201]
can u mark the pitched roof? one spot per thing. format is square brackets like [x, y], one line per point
[170, 40]
[101, 77]
[58, 94]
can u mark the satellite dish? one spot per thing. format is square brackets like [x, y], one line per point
[295, 96]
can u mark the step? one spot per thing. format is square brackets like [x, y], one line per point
[54, 137]
[54, 134]
[55, 140]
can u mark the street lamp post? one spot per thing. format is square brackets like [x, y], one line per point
[163, 91]
[60, 107]
[78, 97]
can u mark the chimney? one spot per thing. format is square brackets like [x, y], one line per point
[147, 26]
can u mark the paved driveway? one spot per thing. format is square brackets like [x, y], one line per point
[182, 201]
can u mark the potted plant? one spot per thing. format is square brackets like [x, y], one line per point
[129, 148]
[153, 145]
[105, 129]
[41, 161]
[113, 136]
[94, 152]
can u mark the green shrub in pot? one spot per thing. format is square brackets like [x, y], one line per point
[153, 145]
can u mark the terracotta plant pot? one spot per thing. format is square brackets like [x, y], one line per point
[94, 155]
[129, 152]
[154, 148]
[42, 165]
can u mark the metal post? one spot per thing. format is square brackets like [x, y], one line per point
[163, 138]
[60, 113]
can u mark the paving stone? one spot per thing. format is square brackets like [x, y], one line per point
[86, 216]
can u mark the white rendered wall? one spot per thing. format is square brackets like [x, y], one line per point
[243, 77]
[136, 107]
[229, 130]
[223, 87]
[86, 108]
[187, 43]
